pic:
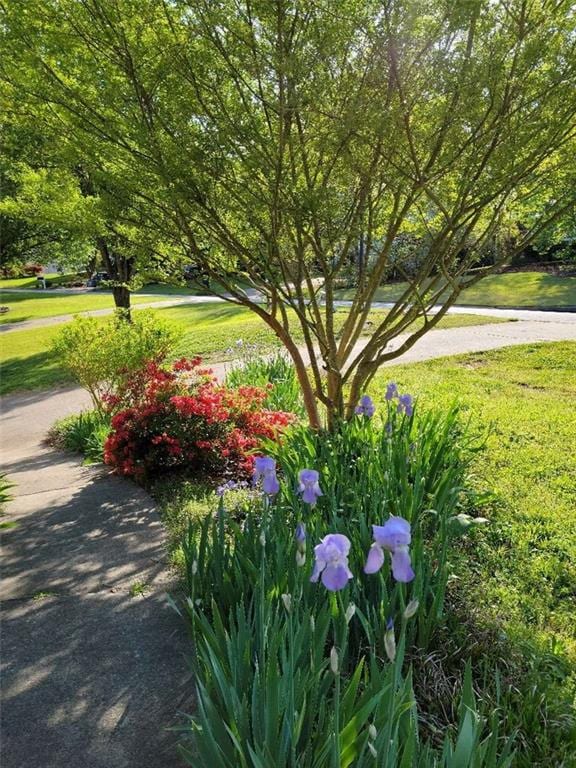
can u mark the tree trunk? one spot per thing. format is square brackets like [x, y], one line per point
[122, 299]
[336, 399]
[120, 271]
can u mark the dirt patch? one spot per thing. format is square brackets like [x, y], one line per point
[473, 363]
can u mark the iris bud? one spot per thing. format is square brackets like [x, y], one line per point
[334, 660]
[411, 609]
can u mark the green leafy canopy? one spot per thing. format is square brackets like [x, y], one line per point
[283, 140]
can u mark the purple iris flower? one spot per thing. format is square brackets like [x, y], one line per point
[265, 469]
[332, 562]
[308, 486]
[395, 537]
[300, 544]
[406, 405]
[365, 407]
[301, 534]
[391, 391]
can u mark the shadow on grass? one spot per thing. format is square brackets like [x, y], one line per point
[16, 298]
[206, 313]
[38, 371]
[159, 289]
[10, 318]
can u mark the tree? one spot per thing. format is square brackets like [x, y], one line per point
[29, 238]
[270, 138]
[55, 204]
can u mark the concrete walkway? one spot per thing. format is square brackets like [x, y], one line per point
[91, 675]
[481, 338]
[540, 315]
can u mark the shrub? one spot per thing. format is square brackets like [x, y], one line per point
[101, 354]
[294, 673]
[83, 433]
[180, 418]
[32, 270]
[10, 270]
[275, 372]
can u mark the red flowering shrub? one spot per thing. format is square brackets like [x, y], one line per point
[180, 418]
[32, 270]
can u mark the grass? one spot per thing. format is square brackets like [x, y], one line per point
[165, 289]
[154, 289]
[4, 526]
[185, 289]
[513, 289]
[5, 494]
[214, 328]
[524, 577]
[54, 278]
[33, 305]
[84, 433]
[29, 363]
[514, 589]
[139, 588]
[28, 305]
[43, 595]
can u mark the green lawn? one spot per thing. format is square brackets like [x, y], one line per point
[30, 282]
[521, 571]
[154, 289]
[514, 289]
[216, 327]
[28, 362]
[31, 305]
[524, 574]
[164, 289]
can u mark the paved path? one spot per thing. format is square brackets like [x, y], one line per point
[540, 315]
[480, 338]
[91, 676]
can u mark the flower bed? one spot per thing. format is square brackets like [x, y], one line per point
[305, 661]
